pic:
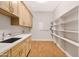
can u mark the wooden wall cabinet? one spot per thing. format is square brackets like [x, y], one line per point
[19, 13]
[4, 5]
[25, 18]
[20, 7]
[13, 7]
[9, 7]
[5, 8]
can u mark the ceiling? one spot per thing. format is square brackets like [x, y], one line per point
[48, 6]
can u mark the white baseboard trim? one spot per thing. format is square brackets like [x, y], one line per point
[64, 50]
[42, 39]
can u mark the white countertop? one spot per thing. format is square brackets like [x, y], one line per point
[6, 46]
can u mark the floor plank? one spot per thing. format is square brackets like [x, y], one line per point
[45, 49]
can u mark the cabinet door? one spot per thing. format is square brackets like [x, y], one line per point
[23, 49]
[30, 41]
[28, 45]
[26, 17]
[14, 7]
[26, 49]
[29, 19]
[25, 22]
[4, 5]
[20, 12]
[16, 50]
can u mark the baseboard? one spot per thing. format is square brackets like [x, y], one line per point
[64, 50]
[42, 39]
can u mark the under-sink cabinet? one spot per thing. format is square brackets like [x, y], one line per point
[20, 50]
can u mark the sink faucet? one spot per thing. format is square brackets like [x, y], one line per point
[3, 36]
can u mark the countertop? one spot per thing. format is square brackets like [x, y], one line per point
[4, 47]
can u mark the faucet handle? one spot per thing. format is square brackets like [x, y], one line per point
[3, 34]
[9, 34]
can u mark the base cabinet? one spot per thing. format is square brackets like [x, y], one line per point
[6, 54]
[20, 50]
[16, 50]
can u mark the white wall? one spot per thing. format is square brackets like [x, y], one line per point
[64, 7]
[43, 33]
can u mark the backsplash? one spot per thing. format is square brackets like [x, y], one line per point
[7, 28]
[1, 35]
[12, 32]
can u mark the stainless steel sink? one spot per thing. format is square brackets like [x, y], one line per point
[10, 40]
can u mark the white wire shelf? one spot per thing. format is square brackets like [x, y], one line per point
[66, 31]
[70, 41]
[64, 22]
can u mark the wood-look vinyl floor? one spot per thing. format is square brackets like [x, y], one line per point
[45, 49]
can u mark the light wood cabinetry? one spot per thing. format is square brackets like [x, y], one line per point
[25, 18]
[16, 50]
[4, 5]
[6, 54]
[28, 20]
[26, 46]
[19, 13]
[9, 8]
[20, 50]
[5, 8]
[14, 7]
